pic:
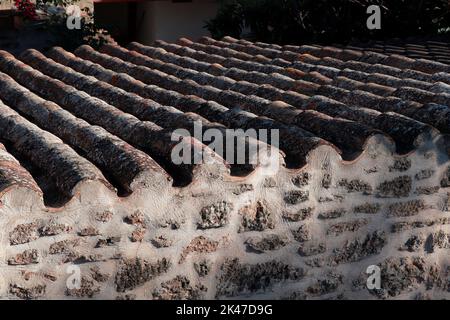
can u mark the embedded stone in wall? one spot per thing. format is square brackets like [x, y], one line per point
[296, 196]
[199, 244]
[445, 181]
[161, 241]
[398, 187]
[333, 214]
[104, 216]
[427, 190]
[236, 278]
[135, 272]
[26, 257]
[302, 234]
[29, 293]
[326, 180]
[359, 249]
[88, 289]
[308, 249]
[179, 288]
[440, 240]
[355, 185]
[50, 276]
[371, 170]
[105, 242]
[89, 232]
[301, 180]
[53, 228]
[256, 217]
[137, 218]
[28, 275]
[138, 234]
[299, 215]
[24, 233]
[407, 225]
[369, 208]
[403, 274]
[172, 224]
[325, 199]
[215, 215]
[424, 174]
[266, 243]
[446, 204]
[336, 197]
[64, 246]
[428, 155]
[402, 164]
[347, 226]
[97, 275]
[203, 267]
[327, 285]
[242, 188]
[296, 295]
[422, 296]
[84, 258]
[405, 209]
[414, 243]
[316, 262]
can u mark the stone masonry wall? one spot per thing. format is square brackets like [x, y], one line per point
[304, 234]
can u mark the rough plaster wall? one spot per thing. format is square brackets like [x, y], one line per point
[5, 4]
[308, 234]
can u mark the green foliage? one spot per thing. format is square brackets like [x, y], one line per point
[229, 20]
[301, 21]
[52, 18]
[89, 33]
[60, 3]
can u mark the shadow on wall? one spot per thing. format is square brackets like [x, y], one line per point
[16, 41]
[170, 20]
[119, 18]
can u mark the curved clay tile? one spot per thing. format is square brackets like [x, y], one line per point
[333, 193]
[45, 151]
[107, 151]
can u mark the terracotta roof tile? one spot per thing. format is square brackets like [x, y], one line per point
[89, 134]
